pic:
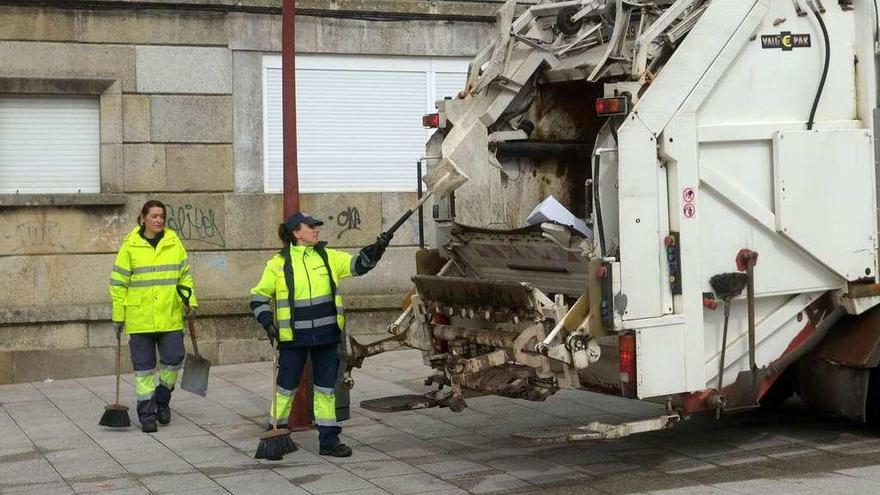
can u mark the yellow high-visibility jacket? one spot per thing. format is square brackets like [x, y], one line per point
[317, 307]
[144, 280]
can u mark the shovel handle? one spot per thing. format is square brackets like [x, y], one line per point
[185, 294]
[192, 336]
[400, 221]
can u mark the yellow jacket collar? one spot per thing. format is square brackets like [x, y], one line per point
[134, 236]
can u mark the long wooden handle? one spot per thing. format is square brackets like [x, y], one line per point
[274, 390]
[118, 362]
[192, 336]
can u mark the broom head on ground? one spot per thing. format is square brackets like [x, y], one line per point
[115, 416]
[728, 285]
[274, 444]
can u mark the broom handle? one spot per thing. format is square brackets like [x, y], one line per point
[274, 390]
[721, 361]
[118, 365]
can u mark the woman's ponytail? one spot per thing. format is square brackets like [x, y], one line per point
[284, 235]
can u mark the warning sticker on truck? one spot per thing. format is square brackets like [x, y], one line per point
[785, 41]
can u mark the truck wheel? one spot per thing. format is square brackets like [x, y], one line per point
[781, 390]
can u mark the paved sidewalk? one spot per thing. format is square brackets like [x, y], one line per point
[50, 443]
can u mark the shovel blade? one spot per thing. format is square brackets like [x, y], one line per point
[195, 375]
[446, 176]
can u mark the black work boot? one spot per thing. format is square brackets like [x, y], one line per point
[149, 426]
[163, 415]
[163, 409]
[338, 450]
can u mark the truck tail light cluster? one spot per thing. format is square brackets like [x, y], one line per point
[617, 105]
[431, 120]
[627, 347]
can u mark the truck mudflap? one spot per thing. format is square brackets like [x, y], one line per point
[601, 431]
[836, 376]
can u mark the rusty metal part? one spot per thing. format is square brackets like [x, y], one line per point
[854, 341]
[359, 352]
[473, 292]
[477, 336]
[534, 332]
[429, 261]
[833, 388]
[480, 363]
[750, 386]
[509, 380]
[855, 291]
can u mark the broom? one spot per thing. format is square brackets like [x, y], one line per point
[275, 442]
[726, 286]
[116, 415]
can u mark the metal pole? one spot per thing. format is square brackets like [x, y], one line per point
[421, 207]
[300, 416]
[288, 88]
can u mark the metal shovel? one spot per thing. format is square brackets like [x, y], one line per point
[195, 368]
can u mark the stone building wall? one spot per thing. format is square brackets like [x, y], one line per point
[180, 90]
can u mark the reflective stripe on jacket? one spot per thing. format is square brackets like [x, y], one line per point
[315, 309]
[144, 280]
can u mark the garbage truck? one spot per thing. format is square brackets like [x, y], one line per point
[721, 154]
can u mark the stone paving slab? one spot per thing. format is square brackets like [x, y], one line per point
[50, 443]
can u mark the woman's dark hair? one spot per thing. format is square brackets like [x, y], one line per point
[284, 234]
[146, 209]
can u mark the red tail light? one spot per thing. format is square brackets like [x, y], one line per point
[617, 105]
[431, 120]
[627, 347]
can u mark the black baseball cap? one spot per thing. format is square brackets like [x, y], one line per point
[300, 217]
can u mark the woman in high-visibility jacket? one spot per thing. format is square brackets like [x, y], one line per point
[150, 265]
[308, 318]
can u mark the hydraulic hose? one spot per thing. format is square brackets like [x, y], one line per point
[824, 68]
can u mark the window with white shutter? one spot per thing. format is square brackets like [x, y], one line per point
[49, 144]
[358, 119]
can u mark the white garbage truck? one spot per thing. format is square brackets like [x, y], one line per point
[722, 156]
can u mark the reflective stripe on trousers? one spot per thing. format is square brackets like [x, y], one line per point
[280, 411]
[145, 384]
[325, 406]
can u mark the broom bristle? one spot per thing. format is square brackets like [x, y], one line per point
[274, 444]
[115, 416]
[728, 285]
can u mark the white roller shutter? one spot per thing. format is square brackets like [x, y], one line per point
[449, 84]
[49, 144]
[358, 120]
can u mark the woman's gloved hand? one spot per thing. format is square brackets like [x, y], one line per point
[370, 255]
[271, 333]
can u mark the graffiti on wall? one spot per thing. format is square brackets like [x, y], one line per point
[194, 223]
[40, 235]
[349, 219]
